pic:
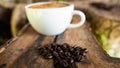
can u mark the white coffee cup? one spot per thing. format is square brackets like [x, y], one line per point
[53, 21]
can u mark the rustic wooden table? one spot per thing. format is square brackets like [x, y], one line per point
[21, 52]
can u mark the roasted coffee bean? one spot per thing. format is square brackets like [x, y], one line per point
[65, 63]
[70, 60]
[79, 58]
[76, 59]
[71, 49]
[55, 54]
[75, 46]
[85, 50]
[76, 53]
[59, 49]
[64, 54]
[78, 49]
[84, 54]
[48, 47]
[48, 56]
[67, 54]
[64, 46]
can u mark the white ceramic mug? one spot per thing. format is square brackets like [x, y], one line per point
[53, 21]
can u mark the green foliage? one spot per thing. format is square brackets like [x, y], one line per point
[103, 39]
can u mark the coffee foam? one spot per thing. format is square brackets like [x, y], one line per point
[49, 5]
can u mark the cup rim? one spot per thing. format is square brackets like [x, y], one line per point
[28, 5]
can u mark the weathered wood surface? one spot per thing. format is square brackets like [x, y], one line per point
[21, 52]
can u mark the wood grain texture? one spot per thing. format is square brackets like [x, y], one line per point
[23, 53]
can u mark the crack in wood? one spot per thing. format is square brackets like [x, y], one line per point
[4, 46]
[58, 37]
[23, 29]
[25, 57]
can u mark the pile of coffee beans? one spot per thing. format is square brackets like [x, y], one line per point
[64, 54]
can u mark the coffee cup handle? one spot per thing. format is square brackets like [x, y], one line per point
[83, 18]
